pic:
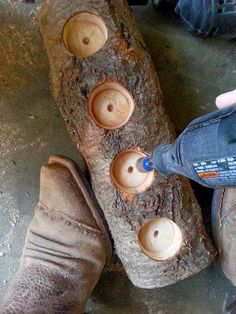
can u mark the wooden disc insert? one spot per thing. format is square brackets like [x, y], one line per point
[160, 238]
[126, 176]
[84, 34]
[110, 105]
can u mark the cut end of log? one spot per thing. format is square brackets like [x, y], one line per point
[84, 34]
[125, 174]
[110, 105]
[160, 238]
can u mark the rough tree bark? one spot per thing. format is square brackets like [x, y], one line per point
[123, 58]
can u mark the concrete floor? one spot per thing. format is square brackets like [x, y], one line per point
[192, 72]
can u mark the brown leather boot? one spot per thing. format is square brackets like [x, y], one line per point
[67, 246]
[224, 230]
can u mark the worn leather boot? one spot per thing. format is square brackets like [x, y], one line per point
[66, 248]
[224, 230]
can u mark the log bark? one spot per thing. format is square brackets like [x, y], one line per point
[124, 59]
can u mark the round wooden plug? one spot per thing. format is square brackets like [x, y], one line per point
[110, 105]
[84, 34]
[160, 238]
[125, 174]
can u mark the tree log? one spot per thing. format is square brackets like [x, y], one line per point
[113, 54]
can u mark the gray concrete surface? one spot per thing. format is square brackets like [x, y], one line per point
[192, 72]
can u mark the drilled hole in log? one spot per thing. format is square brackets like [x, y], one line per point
[110, 105]
[160, 238]
[84, 34]
[86, 40]
[155, 234]
[130, 169]
[125, 175]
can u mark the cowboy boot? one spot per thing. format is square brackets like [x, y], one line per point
[224, 230]
[66, 248]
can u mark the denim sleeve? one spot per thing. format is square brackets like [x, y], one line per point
[205, 152]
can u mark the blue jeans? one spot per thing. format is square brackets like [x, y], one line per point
[205, 152]
[208, 17]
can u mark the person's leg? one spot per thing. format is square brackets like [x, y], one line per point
[204, 17]
[66, 246]
[197, 16]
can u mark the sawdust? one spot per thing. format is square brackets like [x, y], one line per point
[17, 53]
[10, 141]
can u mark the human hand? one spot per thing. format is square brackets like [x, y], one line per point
[226, 99]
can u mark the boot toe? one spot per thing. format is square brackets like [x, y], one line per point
[59, 192]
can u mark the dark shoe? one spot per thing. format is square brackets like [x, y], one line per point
[231, 309]
[224, 230]
[137, 2]
[66, 249]
[165, 5]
